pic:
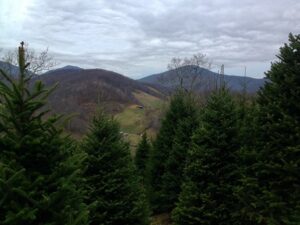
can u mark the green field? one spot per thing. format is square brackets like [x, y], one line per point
[135, 120]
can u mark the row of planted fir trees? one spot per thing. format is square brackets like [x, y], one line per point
[48, 178]
[225, 162]
[231, 161]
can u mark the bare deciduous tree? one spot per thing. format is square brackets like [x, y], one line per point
[38, 62]
[186, 72]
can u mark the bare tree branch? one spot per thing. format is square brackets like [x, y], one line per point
[38, 62]
[187, 72]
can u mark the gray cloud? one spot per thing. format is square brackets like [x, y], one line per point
[140, 37]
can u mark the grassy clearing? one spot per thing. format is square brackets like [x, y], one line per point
[148, 101]
[135, 120]
[133, 140]
[132, 119]
[163, 219]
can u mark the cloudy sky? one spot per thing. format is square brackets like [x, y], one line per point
[139, 37]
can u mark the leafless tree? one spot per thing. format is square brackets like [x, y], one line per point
[39, 62]
[244, 85]
[186, 72]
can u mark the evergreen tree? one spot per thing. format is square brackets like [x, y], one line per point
[142, 156]
[212, 166]
[40, 173]
[161, 149]
[271, 187]
[111, 177]
[247, 156]
[173, 176]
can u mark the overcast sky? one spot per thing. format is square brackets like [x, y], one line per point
[139, 37]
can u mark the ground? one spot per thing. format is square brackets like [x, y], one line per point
[162, 219]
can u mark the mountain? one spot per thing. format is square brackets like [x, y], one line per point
[82, 91]
[136, 104]
[12, 69]
[9, 68]
[67, 68]
[205, 79]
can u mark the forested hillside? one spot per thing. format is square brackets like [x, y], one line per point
[82, 92]
[205, 79]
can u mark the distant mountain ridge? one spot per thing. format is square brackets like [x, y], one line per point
[82, 91]
[67, 68]
[9, 68]
[234, 83]
[12, 70]
[205, 79]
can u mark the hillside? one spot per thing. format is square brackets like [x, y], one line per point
[82, 91]
[11, 69]
[136, 104]
[206, 79]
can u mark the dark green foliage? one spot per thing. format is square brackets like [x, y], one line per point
[111, 177]
[271, 187]
[247, 157]
[162, 146]
[40, 175]
[173, 176]
[212, 166]
[142, 156]
[280, 97]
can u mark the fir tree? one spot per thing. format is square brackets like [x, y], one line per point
[173, 176]
[161, 149]
[40, 175]
[212, 166]
[142, 156]
[271, 187]
[111, 176]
